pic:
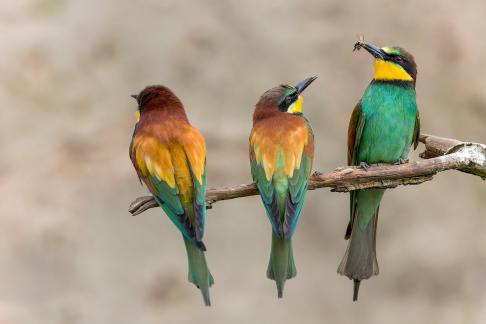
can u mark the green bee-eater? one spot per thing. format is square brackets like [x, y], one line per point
[383, 126]
[281, 153]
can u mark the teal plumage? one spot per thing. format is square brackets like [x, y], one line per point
[389, 112]
[281, 153]
[184, 215]
[283, 196]
[383, 126]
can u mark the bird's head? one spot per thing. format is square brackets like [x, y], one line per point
[155, 97]
[285, 98]
[391, 63]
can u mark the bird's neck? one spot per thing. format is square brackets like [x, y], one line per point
[263, 112]
[385, 71]
[388, 94]
[405, 84]
[164, 111]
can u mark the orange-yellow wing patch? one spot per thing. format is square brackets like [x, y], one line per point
[153, 158]
[163, 165]
[268, 143]
[195, 148]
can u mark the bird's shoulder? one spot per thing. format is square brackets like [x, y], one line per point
[156, 141]
[278, 144]
[285, 128]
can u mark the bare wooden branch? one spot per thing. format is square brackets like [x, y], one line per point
[473, 154]
[440, 153]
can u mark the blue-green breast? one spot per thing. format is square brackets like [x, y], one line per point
[389, 110]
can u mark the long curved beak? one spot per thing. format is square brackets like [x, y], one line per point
[304, 84]
[374, 50]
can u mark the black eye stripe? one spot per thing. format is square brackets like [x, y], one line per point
[287, 101]
[402, 58]
[398, 58]
[291, 99]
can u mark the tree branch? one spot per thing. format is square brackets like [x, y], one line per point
[440, 153]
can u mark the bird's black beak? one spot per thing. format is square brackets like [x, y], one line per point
[304, 84]
[374, 50]
[134, 96]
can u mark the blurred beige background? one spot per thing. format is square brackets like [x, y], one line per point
[71, 253]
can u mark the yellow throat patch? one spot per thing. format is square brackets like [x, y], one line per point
[385, 70]
[296, 107]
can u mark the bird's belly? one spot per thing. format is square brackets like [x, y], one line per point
[386, 137]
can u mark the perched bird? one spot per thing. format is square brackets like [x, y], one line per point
[383, 126]
[281, 154]
[169, 156]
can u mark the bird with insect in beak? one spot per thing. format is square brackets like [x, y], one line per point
[281, 154]
[384, 125]
[169, 156]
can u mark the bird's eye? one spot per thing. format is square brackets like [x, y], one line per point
[288, 100]
[398, 59]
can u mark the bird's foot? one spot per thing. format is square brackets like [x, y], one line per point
[401, 161]
[364, 166]
[317, 173]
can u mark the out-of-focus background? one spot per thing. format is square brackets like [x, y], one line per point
[71, 253]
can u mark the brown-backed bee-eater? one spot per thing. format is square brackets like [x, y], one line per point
[281, 154]
[170, 158]
[383, 126]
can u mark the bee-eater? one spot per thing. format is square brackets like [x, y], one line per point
[281, 154]
[383, 126]
[169, 156]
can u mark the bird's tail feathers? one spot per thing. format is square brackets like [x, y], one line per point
[359, 261]
[281, 265]
[199, 273]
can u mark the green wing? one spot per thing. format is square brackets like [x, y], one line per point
[188, 217]
[355, 129]
[199, 204]
[284, 206]
[168, 198]
[416, 131]
[297, 190]
[267, 193]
